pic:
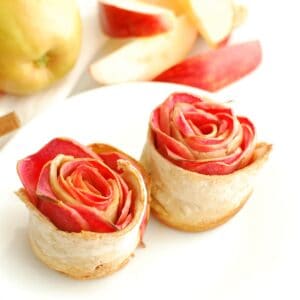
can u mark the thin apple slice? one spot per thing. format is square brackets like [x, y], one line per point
[174, 5]
[145, 58]
[213, 18]
[128, 18]
[215, 69]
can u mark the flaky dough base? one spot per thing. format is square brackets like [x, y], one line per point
[194, 202]
[99, 271]
[168, 220]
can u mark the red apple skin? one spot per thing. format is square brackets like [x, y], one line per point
[121, 23]
[224, 42]
[215, 69]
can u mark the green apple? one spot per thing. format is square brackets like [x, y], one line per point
[39, 43]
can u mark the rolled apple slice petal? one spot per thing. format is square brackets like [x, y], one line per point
[91, 218]
[194, 202]
[216, 69]
[145, 58]
[30, 168]
[108, 154]
[129, 18]
[79, 240]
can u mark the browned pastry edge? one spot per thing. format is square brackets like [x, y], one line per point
[164, 218]
[102, 271]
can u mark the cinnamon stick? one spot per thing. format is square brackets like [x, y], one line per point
[9, 122]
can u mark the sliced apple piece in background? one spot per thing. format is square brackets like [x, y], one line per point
[145, 58]
[213, 18]
[128, 18]
[215, 69]
[174, 5]
[240, 15]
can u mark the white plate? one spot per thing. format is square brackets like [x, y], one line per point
[252, 255]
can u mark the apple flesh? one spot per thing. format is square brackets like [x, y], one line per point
[145, 58]
[240, 15]
[39, 43]
[215, 69]
[213, 18]
[173, 5]
[128, 18]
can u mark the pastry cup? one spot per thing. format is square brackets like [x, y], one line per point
[86, 254]
[190, 201]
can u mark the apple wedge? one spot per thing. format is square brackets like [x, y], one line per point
[128, 18]
[215, 69]
[213, 18]
[145, 58]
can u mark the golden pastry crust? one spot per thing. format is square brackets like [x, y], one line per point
[99, 271]
[164, 218]
[191, 201]
[85, 254]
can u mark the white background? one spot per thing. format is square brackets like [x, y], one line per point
[256, 255]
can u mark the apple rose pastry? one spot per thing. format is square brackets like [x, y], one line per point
[202, 160]
[88, 206]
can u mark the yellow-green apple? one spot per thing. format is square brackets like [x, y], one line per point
[213, 18]
[145, 58]
[128, 18]
[215, 69]
[39, 43]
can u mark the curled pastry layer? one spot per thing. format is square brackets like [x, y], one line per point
[202, 160]
[88, 206]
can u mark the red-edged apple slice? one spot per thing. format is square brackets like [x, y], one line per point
[213, 18]
[216, 69]
[128, 18]
[145, 58]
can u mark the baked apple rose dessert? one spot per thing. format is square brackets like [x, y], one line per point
[202, 160]
[88, 206]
